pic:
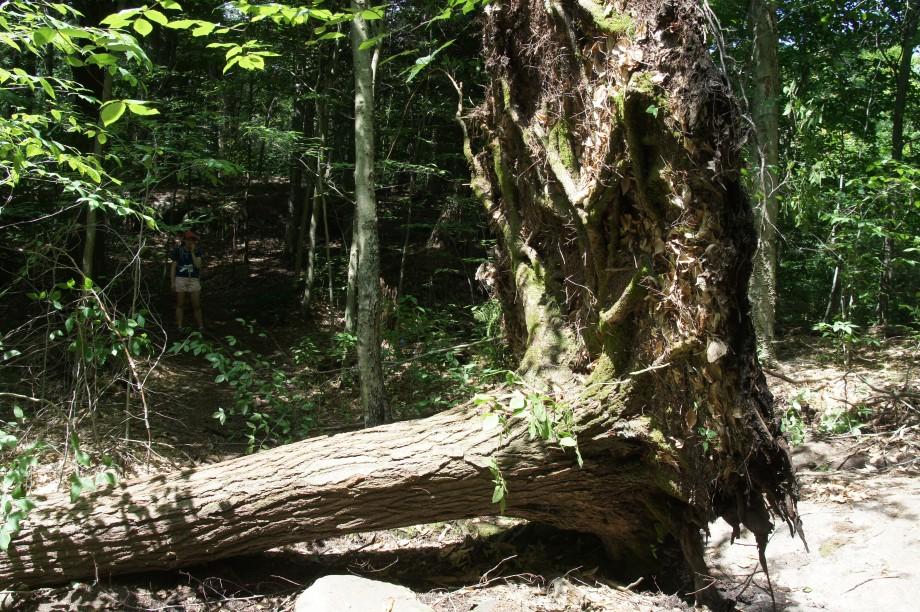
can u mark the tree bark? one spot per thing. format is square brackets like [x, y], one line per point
[351, 283]
[902, 86]
[607, 156]
[401, 474]
[98, 82]
[909, 24]
[765, 110]
[295, 191]
[310, 270]
[370, 371]
[304, 224]
[90, 254]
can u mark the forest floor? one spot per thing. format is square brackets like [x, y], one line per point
[855, 430]
[857, 456]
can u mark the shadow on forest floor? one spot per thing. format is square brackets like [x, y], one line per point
[489, 564]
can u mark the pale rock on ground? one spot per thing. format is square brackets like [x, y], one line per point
[338, 593]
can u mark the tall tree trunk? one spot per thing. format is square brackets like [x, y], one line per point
[310, 269]
[326, 241]
[319, 200]
[295, 191]
[351, 281]
[902, 87]
[765, 110]
[611, 176]
[90, 254]
[98, 82]
[373, 395]
[304, 225]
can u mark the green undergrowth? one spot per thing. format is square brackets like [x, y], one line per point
[434, 358]
[855, 419]
[547, 419]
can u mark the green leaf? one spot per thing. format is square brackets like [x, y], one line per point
[568, 442]
[12, 522]
[372, 14]
[233, 62]
[397, 56]
[517, 402]
[539, 411]
[482, 398]
[142, 27]
[104, 479]
[17, 412]
[47, 87]
[182, 24]
[498, 494]
[119, 19]
[139, 108]
[422, 62]
[5, 539]
[445, 14]
[490, 422]
[652, 110]
[372, 42]
[76, 487]
[82, 457]
[204, 28]
[112, 112]
[43, 36]
[156, 16]
[8, 40]
[102, 59]
[7, 440]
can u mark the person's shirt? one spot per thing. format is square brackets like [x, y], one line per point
[185, 265]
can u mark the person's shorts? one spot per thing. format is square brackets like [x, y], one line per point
[186, 284]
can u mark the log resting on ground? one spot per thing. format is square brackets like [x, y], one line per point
[607, 156]
[402, 474]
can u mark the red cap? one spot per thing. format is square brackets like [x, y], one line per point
[190, 235]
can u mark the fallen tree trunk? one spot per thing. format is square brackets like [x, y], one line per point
[607, 157]
[402, 474]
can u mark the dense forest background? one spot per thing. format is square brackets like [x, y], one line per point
[124, 124]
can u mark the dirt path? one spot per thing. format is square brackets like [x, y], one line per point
[864, 548]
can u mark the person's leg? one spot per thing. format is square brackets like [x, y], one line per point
[180, 304]
[196, 307]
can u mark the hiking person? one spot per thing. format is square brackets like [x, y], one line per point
[185, 271]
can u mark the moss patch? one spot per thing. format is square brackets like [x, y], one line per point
[608, 20]
[560, 142]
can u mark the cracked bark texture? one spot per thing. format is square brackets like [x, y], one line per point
[606, 155]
